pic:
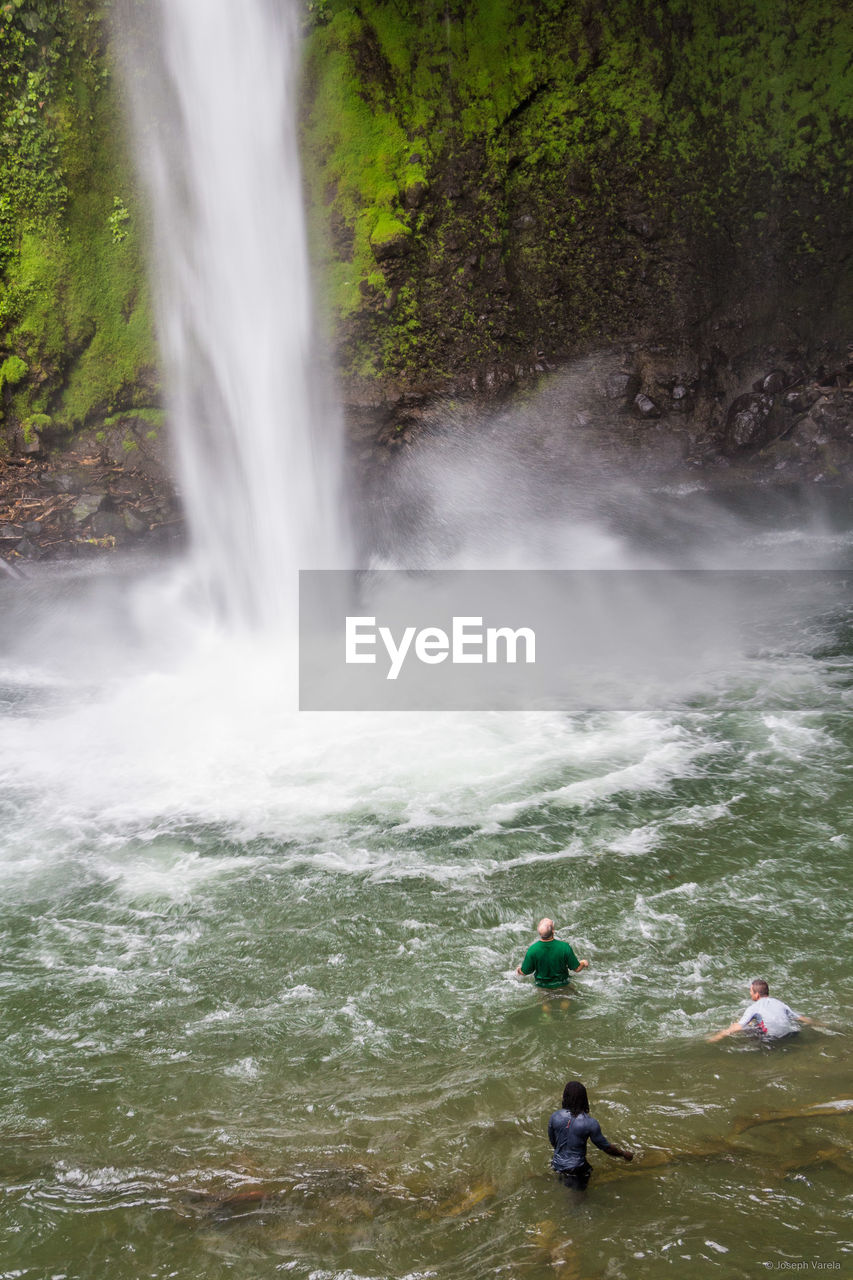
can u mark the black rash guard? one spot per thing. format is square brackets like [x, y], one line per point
[569, 1135]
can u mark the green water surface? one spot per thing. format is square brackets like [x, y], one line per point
[303, 1051]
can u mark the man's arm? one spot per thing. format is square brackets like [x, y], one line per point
[527, 966]
[729, 1031]
[741, 1025]
[574, 964]
[603, 1144]
[811, 1022]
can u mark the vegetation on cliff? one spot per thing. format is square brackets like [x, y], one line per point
[76, 339]
[492, 184]
[497, 178]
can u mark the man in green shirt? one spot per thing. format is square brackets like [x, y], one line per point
[550, 959]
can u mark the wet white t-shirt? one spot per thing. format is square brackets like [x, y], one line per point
[771, 1017]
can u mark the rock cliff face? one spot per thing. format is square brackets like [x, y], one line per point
[76, 338]
[79, 386]
[499, 184]
[494, 187]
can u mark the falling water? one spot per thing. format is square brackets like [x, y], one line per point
[214, 85]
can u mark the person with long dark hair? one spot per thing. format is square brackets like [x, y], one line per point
[569, 1130]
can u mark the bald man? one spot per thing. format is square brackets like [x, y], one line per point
[549, 959]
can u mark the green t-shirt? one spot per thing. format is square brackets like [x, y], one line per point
[550, 962]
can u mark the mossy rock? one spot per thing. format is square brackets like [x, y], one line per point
[12, 371]
[38, 424]
[389, 239]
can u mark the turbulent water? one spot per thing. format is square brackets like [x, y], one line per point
[258, 994]
[260, 1008]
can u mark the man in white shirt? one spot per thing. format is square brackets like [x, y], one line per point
[770, 1018]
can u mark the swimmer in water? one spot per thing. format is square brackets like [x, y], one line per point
[768, 1017]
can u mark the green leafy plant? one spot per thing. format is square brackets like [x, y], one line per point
[118, 220]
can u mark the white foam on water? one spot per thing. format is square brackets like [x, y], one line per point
[793, 736]
[177, 877]
[701, 815]
[244, 1069]
[637, 841]
[216, 741]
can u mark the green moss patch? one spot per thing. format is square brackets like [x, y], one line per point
[547, 174]
[76, 306]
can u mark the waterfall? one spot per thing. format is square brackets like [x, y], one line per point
[214, 85]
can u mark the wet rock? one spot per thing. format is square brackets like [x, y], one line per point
[85, 507]
[645, 407]
[641, 225]
[776, 380]
[169, 535]
[413, 195]
[11, 532]
[393, 245]
[61, 482]
[682, 400]
[621, 385]
[134, 523]
[833, 377]
[108, 524]
[800, 400]
[31, 445]
[28, 550]
[749, 421]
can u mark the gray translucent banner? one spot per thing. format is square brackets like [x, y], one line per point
[547, 639]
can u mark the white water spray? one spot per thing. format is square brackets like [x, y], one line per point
[214, 89]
